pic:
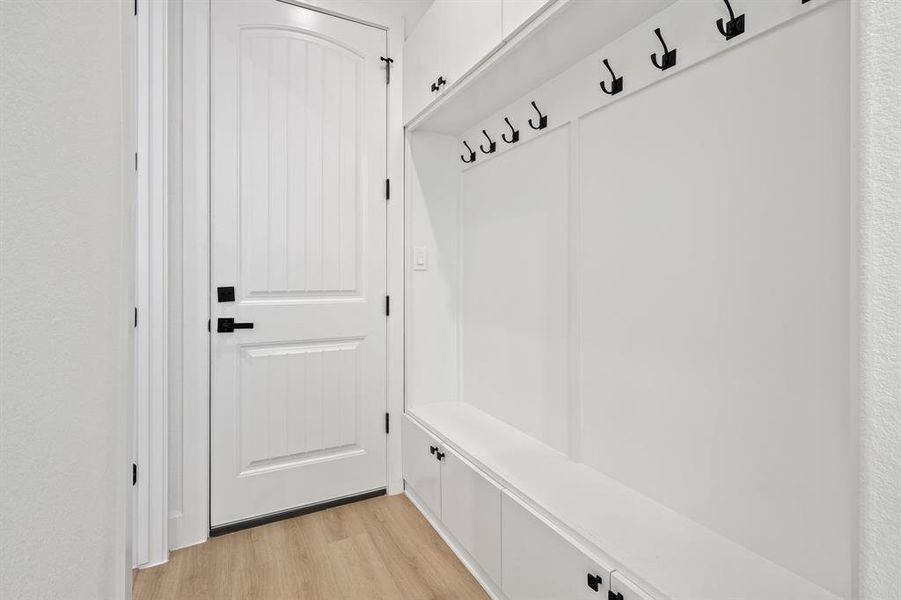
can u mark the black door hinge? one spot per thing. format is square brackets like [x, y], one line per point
[387, 306]
[387, 423]
[208, 325]
[136, 8]
[387, 189]
[134, 474]
[136, 316]
[136, 156]
[387, 62]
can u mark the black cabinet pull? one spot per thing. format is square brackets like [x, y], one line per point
[611, 595]
[433, 449]
[595, 581]
[228, 325]
[439, 455]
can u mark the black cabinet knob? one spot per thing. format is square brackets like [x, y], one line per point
[595, 581]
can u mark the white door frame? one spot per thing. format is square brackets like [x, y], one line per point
[151, 288]
[187, 506]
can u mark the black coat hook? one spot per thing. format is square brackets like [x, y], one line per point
[542, 119]
[669, 56]
[734, 26]
[472, 154]
[514, 136]
[617, 85]
[492, 146]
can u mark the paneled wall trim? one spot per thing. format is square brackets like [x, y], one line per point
[688, 26]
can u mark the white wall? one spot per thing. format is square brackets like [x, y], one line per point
[880, 299]
[65, 299]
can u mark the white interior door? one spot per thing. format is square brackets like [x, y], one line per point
[298, 229]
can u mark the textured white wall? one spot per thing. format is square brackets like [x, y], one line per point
[880, 300]
[65, 281]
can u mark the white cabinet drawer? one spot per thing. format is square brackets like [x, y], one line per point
[539, 563]
[623, 589]
[422, 469]
[471, 511]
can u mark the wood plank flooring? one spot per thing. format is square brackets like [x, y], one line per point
[381, 548]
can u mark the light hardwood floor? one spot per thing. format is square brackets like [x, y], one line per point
[376, 549]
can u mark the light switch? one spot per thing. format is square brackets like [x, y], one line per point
[420, 259]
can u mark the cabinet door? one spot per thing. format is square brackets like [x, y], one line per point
[518, 12]
[471, 511]
[472, 31]
[422, 62]
[422, 470]
[623, 589]
[539, 563]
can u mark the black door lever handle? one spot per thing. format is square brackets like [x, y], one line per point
[228, 325]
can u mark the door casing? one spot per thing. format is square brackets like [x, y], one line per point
[188, 444]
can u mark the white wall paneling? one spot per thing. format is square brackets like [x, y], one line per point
[658, 285]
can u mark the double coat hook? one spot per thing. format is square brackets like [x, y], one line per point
[542, 119]
[734, 26]
[514, 137]
[472, 154]
[668, 58]
[617, 85]
[492, 145]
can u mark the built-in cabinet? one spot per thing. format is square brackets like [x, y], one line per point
[466, 502]
[522, 553]
[453, 37]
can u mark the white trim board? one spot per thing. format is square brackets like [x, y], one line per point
[189, 505]
[151, 288]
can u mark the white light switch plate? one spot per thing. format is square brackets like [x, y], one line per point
[420, 259]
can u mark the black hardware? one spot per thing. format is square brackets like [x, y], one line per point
[436, 85]
[387, 423]
[514, 135]
[136, 8]
[228, 325]
[433, 450]
[136, 154]
[804, 1]
[595, 581]
[208, 325]
[617, 85]
[387, 189]
[439, 455]
[611, 595]
[669, 56]
[387, 306]
[492, 146]
[225, 294]
[134, 474]
[472, 154]
[542, 119]
[136, 316]
[387, 62]
[734, 26]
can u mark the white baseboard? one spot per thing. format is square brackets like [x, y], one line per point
[490, 587]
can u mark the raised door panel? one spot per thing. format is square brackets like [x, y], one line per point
[422, 470]
[471, 511]
[519, 12]
[623, 589]
[539, 563]
[423, 61]
[472, 31]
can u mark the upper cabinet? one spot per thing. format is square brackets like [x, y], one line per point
[451, 38]
[519, 12]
